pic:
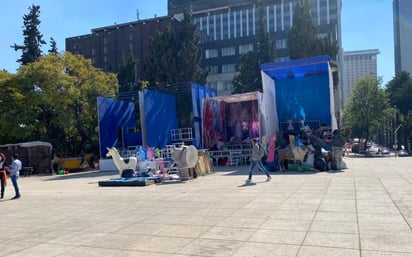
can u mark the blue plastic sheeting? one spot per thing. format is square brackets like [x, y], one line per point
[112, 116]
[304, 98]
[160, 118]
[297, 91]
[297, 68]
[199, 93]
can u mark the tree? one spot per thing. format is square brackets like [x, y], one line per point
[366, 108]
[303, 41]
[175, 56]
[53, 46]
[59, 103]
[33, 39]
[249, 78]
[127, 75]
[302, 36]
[13, 111]
[399, 90]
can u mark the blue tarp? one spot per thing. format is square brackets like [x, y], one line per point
[297, 68]
[298, 91]
[114, 115]
[160, 118]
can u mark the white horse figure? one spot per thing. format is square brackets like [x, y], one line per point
[121, 163]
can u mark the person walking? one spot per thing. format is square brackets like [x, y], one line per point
[14, 174]
[255, 160]
[3, 174]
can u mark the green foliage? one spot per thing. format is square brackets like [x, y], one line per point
[249, 78]
[366, 107]
[55, 99]
[302, 35]
[12, 107]
[127, 75]
[399, 90]
[53, 47]
[174, 56]
[303, 41]
[33, 39]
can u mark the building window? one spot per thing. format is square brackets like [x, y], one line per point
[227, 51]
[227, 68]
[214, 70]
[245, 48]
[281, 43]
[211, 53]
[224, 86]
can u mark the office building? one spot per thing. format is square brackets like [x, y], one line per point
[357, 64]
[107, 46]
[227, 29]
[402, 17]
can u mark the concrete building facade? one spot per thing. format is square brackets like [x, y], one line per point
[227, 29]
[106, 46]
[357, 64]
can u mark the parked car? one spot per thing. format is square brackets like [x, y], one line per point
[377, 150]
[402, 153]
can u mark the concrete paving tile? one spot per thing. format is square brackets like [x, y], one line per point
[242, 222]
[297, 207]
[107, 227]
[75, 238]
[116, 241]
[11, 247]
[334, 226]
[394, 243]
[384, 229]
[246, 213]
[294, 215]
[42, 250]
[336, 216]
[337, 207]
[382, 209]
[160, 244]
[328, 239]
[84, 251]
[381, 218]
[249, 249]
[228, 233]
[128, 253]
[142, 229]
[163, 219]
[261, 205]
[200, 220]
[287, 224]
[312, 251]
[384, 254]
[278, 236]
[182, 230]
[210, 247]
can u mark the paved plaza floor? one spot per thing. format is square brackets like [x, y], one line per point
[362, 211]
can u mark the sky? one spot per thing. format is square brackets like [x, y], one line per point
[366, 24]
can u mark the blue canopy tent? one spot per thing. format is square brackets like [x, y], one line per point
[298, 92]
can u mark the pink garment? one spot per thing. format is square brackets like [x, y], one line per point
[271, 151]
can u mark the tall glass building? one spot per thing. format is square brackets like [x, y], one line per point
[402, 16]
[227, 29]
